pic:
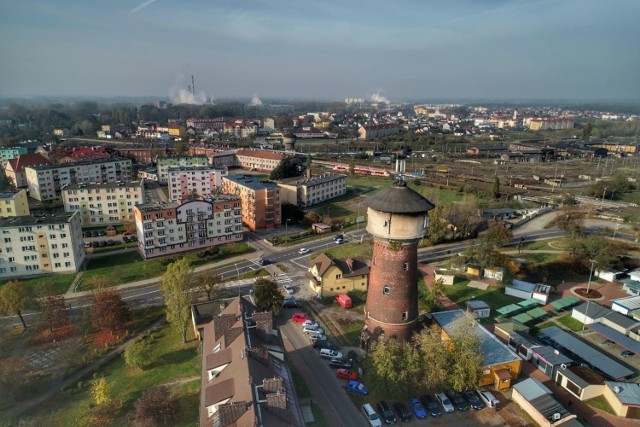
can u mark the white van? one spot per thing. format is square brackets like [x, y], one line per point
[371, 415]
[489, 399]
[328, 353]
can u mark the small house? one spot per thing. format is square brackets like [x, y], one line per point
[549, 360]
[527, 290]
[581, 381]
[479, 309]
[538, 401]
[608, 275]
[447, 277]
[589, 312]
[624, 398]
[626, 305]
[474, 270]
[320, 228]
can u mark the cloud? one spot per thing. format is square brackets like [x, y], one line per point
[142, 6]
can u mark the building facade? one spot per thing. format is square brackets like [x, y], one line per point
[46, 182]
[200, 125]
[15, 167]
[35, 245]
[171, 228]
[377, 131]
[201, 180]
[104, 203]
[164, 163]
[260, 160]
[9, 153]
[551, 124]
[14, 203]
[330, 277]
[305, 192]
[261, 202]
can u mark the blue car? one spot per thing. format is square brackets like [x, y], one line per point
[417, 408]
[357, 387]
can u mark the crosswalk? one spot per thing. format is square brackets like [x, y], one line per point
[282, 279]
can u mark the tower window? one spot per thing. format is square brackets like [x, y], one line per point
[405, 266]
[405, 314]
[374, 260]
[386, 290]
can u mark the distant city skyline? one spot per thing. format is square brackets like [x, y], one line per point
[410, 49]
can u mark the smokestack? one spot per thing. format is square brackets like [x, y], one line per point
[193, 85]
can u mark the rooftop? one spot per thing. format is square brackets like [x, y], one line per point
[398, 198]
[7, 195]
[92, 185]
[630, 303]
[31, 159]
[494, 351]
[592, 310]
[627, 393]
[77, 164]
[251, 181]
[196, 168]
[314, 180]
[263, 154]
[21, 221]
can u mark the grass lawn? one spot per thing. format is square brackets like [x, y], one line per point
[115, 247]
[493, 295]
[350, 250]
[570, 323]
[165, 190]
[534, 330]
[170, 361]
[59, 282]
[556, 244]
[600, 403]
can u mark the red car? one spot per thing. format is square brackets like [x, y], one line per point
[346, 374]
[299, 317]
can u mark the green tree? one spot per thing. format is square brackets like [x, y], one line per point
[137, 354]
[466, 356]
[586, 131]
[209, 283]
[434, 358]
[433, 296]
[14, 299]
[352, 167]
[5, 182]
[100, 391]
[571, 220]
[495, 188]
[287, 168]
[180, 148]
[175, 285]
[394, 364]
[497, 235]
[593, 247]
[268, 295]
[437, 225]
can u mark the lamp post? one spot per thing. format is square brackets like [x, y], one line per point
[603, 193]
[593, 262]
[286, 227]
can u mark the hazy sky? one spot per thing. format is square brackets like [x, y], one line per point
[330, 49]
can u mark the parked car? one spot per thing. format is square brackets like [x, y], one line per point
[356, 387]
[346, 374]
[371, 415]
[445, 402]
[303, 251]
[417, 408]
[133, 238]
[317, 336]
[458, 401]
[340, 362]
[126, 233]
[288, 289]
[473, 399]
[488, 398]
[299, 317]
[320, 344]
[403, 412]
[340, 241]
[626, 353]
[311, 323]
[338, 237]
[101, 234]
[291, 303]
[87, 244]
[312, 329]
[125, 239]
[430, 405]
[386, 413]
[328, 353]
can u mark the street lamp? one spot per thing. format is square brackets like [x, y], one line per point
[603, 193]
[593, 262]
[286, 227]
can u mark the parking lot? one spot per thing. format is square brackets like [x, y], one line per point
[99, 239]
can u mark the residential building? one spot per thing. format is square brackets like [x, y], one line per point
[551, 124]
[240, 128]
[329, 277]
[45, 182]
[164, 163]
[244, 381]
[201, 180]
[204, 124]
[549, 360]
[260, 160]
[175, 227]
[104, 203]
[177, 131]
[501, 365]
[305, 192]
[61, 132]
[538, 401]
[629, 306]
[580, 381]
[40, 244]
[261, 203]
[8, 153]
[85, 154]
[14, 203]
[624, 398]
[15, 167]
[144, 154]
[589, 312]
[377, 131]
[217, 157]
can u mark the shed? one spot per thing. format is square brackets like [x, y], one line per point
[111, 230]
[538, 401]
[565, 303]
[626, 305]
[320, 228]
[474, 270]
[529, 303]
[624, 398]
[495, 273]
[549, 360]
[527, 290]
[581, 381]
[619, 322]
[510, 310]
[609, 276]
[447, 277]
[589, 312]
[480, 309]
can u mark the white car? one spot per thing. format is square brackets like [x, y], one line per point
[310, 323]
[303, 251]
[311, 329]
[288, 289]
[317, 336]
[445, 402]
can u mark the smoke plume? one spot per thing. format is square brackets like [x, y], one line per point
[379, 98]
[180, 95]
[255, 101]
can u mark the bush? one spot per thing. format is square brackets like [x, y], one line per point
[137, 354]
[155, 408]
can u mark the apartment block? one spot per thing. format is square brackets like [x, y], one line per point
[40, 244]
[45, 182]
[261, 204]
[551, 123]
[201, 180]
[175, 227]
[305, 192]
[104, 203]
[9, 153]
[164, 163]
[15, 167]
[260, 160]
[14, 203]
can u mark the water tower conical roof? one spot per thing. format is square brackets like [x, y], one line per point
[399, 199]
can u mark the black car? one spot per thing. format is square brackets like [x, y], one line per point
[264, 262]
[473, 399]
[430, 405]
[386, 412]
[403, 412]
[291, 303]
[339, 362]
[458, 401]
[320, 344]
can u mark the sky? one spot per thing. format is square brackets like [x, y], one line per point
[330, 49]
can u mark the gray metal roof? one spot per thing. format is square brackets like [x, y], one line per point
[595, 358]
[615, 336]
[620, 320]
[531, 388]
[630, 303]
[399, 199]
[493, 350]
[552, 356]
[627, 393]
[592, 310]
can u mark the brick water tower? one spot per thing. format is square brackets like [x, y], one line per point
[397, 220]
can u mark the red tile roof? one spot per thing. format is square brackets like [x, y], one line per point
[25, 160]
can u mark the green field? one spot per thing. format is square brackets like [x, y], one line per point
[58, 282]
[494, 296]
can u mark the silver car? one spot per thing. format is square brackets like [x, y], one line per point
[446, 404]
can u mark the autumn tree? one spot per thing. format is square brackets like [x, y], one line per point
[495, 188]
[137, 354]
[155, 407]
[105, 406]
[437, 228]
[571, 220]
[175, 285]
[496, 235]
[15, 299]
[109, 311]
[209, 283]
[466, 356]
[287, 168]
[352, 167]
[396, 364]
[14, 376]
[595, 247]
[54, 311]
[130, 227]
[434, 359]
[268, 295]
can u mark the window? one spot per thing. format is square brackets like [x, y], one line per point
[405, 315]
[386, 290]
[405, 266]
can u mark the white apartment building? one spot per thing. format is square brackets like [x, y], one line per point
[174, 227]
[10, 153]
[40, 244]
[45, 182]
[104, 203]
[164, 163]
[305, 192]
[203, 180]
